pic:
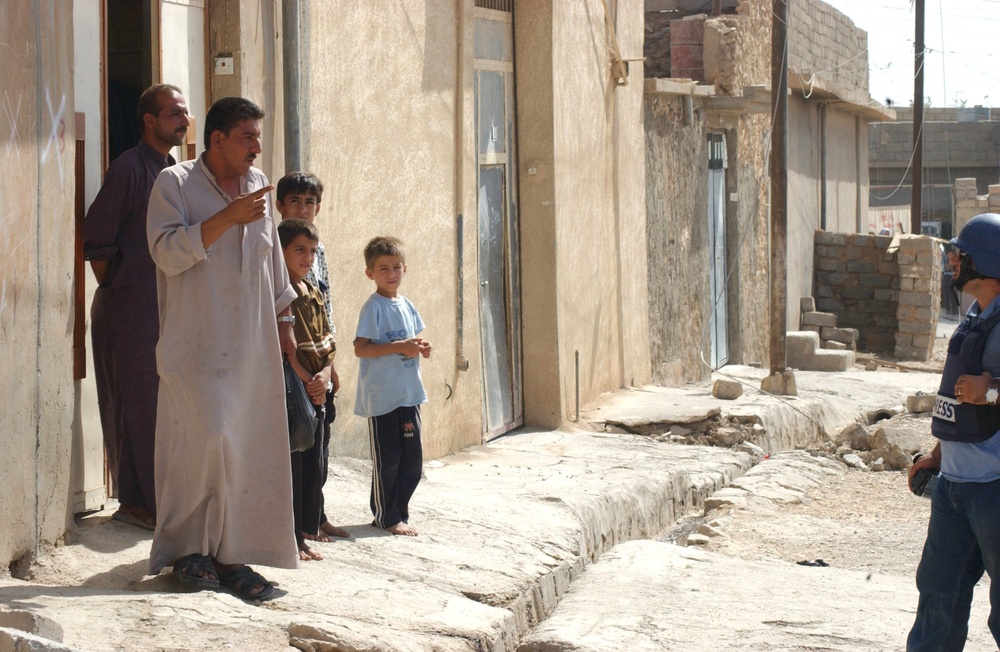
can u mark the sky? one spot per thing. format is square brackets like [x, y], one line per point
[962, 39]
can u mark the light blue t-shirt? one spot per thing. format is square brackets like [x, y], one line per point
[388, 381]
[980, 462]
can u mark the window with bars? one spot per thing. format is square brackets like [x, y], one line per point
[496, 5]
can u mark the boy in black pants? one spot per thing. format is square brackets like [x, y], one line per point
[390, 389]
[313, 364]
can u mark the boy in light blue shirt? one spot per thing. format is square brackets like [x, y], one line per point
[390, 389]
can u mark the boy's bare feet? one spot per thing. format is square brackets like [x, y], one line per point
[327, 530]
[308, 554]
[319, 536]
[403, 529]
[332, 530]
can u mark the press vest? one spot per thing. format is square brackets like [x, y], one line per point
[962, 422]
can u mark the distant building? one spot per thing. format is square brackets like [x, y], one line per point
[958, 143]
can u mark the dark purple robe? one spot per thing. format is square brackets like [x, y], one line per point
[125, 321]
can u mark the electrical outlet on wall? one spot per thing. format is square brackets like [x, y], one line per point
[224, 65]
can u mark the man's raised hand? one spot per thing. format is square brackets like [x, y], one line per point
[248, 207]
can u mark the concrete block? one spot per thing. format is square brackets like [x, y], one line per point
[807, 304]
[781, 383]
[918, 299]
[834, 346]
[920, 402]
[825, 360]
[828, 264]
[32, 623]
[912, 353]
[874, 280]
[800, 347]
[913, 271]
[727, 390]
[862, 266]
[843, 335]
[924, 340]
[917, 327]
[15, 640]
[811, 327]
[819, 319]
[857, 293]
[834, 239]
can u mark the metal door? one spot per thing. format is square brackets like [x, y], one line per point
[718, 326]
[499, 294]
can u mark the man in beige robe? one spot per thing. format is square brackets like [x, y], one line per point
[222, 467]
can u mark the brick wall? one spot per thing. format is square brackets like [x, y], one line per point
[892, 298]
[827, 43]
[919, 260]
[857, 280]
[968, 203]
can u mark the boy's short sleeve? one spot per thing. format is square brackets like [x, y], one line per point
[368, 322]
[418, 323]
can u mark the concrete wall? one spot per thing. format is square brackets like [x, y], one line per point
[392, 137]
[598, 157]
[36, 245]
[846, 178]
[251, 34]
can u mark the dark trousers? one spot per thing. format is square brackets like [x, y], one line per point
[102, 340]
[397, 462]
[124, 330]
[963, 541]
[308, 476]
[331, 416]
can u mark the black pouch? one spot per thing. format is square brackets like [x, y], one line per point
[302, 419]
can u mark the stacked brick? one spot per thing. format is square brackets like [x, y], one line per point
[825, 323]
[824, 42]
[967, 203]
[919, 305]
[857, 280]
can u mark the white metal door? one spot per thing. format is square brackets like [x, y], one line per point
[499, 295]
[717, 248]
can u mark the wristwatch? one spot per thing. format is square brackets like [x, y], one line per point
[287, 318]
[993, 393]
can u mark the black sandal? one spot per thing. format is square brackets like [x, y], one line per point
[241, 582]
[198, 570]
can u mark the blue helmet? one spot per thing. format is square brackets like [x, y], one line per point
[980, 238]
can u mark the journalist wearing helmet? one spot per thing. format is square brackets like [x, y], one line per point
[963, 535]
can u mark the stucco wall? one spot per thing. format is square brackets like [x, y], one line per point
[383, 129]
[845, 161]
[36, 245]
[600, 217]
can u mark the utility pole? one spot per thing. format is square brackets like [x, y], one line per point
[779, 183]
[917, 171]
[290, 69]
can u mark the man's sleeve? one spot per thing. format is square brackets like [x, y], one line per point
[174, 244]
[106, 214]
[284, 293]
